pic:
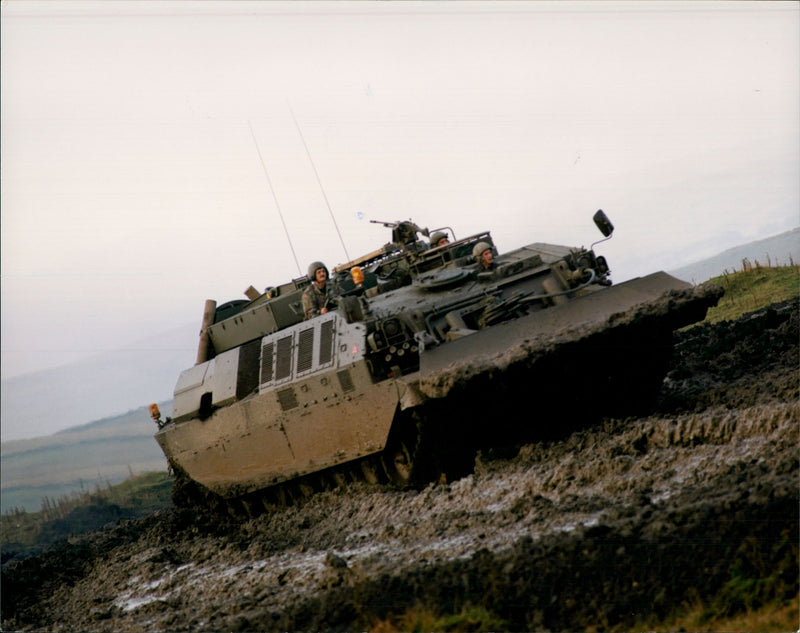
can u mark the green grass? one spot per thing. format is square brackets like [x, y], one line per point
[421, 619]
[775, 617]
[778, 617]
[70, 462]
[753, 288]
[145, 493]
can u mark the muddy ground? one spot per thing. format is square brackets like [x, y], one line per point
[612, 528]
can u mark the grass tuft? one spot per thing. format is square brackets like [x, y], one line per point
[752, 288]
[421, 619]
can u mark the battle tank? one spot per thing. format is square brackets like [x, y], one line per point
[425, 356]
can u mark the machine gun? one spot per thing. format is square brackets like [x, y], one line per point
[404, 232]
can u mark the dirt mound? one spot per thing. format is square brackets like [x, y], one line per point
[613, 527]
[736, 364]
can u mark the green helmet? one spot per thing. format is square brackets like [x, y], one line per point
[313, 267]
[478, 249]
[437, 236]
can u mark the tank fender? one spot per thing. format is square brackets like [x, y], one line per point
[408, 391]
[662, 301]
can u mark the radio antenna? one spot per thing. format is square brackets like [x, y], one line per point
[311, 160]
[275, 198]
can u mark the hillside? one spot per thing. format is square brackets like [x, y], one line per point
[97, 387]
[106, 451]
[779, 250]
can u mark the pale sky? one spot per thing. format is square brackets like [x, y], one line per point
[132, 188]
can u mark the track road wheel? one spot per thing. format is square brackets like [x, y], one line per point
[399, 464]
[371, 471]
[267, 503]
[339, 479]
[283, 496]
[306, 490]
[250, 508]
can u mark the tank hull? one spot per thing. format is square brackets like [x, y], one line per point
[602, 352]
[259, 442]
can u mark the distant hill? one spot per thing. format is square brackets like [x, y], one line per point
[782, 249]
[97, 454]
[48, 401]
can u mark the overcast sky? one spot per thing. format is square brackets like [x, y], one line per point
[150, 150]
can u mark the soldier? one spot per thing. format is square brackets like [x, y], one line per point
[482, 252]
[316, 299]
[439, 239]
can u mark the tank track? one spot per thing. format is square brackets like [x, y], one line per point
[408, 461]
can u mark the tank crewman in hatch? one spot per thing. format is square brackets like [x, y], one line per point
[439, 239]
[484, 256]
[316, 298]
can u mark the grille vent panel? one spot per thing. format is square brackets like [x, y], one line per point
[305, 350]
[326, 343]
[287, 398]
[266, 363]
[283, 365]
[346, 380]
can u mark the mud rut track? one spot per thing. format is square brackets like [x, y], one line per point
[610, 527]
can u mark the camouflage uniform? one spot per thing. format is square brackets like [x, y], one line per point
[314, 300]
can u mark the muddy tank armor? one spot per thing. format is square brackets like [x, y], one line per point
[423, 363]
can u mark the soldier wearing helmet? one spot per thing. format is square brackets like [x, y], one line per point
[439, 238]
[482, 252]
[316, 298]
